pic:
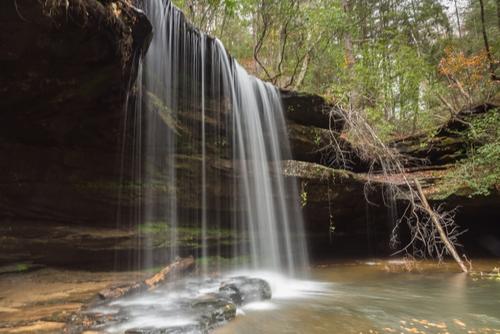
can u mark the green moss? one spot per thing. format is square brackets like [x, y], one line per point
[186, 236]
[153, 227]
[18, 268]
[22, 267]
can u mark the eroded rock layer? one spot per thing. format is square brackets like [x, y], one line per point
[67, 75]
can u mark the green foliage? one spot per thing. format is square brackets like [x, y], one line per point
[479, 174]
[392, 65]
[485, 129]
[303, 198]
[303, 194]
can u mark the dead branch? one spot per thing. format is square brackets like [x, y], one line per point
[448, 104]
[435, 219]
[432, 231]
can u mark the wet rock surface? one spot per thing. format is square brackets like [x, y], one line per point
[191, 306]
[42, 301]
[243, 290]
[65, 75]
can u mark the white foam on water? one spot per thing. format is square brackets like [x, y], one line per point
[162, 308]
[153, 321]
[284, 287]
[260, 306]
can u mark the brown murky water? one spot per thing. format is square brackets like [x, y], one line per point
[354, 297]
[382, 298]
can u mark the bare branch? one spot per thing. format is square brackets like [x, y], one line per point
[432, 231]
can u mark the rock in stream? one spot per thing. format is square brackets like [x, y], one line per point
[205, 304]
[244, 290]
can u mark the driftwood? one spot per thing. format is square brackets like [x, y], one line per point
[172, 271]
[121, 290]
[435, 220]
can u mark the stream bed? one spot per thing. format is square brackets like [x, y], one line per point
[350, 297]
[356, 297]
[371, 298]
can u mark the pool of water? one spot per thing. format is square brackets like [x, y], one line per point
[370, 297]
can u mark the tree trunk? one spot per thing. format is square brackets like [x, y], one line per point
[486, 43]
[349, 57]
[302, 73]
[458, 20]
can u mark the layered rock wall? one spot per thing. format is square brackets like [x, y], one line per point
[67, 178]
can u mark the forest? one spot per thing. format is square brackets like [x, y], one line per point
[406, 66]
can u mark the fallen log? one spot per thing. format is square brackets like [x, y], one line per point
[171, 272]
[442, 234]
[118, 291]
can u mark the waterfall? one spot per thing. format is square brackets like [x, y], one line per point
[201, 108]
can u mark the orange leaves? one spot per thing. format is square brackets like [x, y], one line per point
[468, 76]
[470, 71]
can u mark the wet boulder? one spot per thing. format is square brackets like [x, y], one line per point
[214, 311]
[211, 310]
[208, 312]
[243, 290]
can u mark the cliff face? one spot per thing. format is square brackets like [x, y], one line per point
[65, 71]
[66, 75]
[436, 156]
